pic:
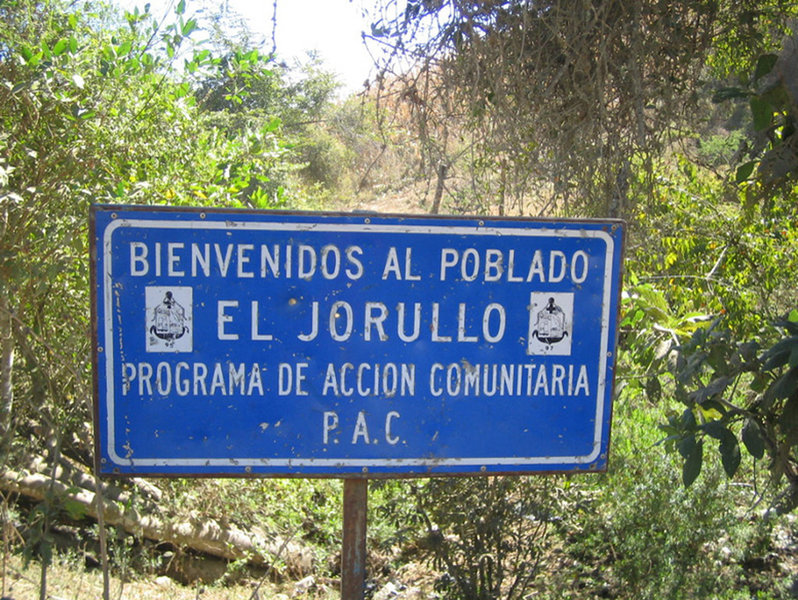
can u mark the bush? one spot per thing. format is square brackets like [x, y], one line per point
[642, 534]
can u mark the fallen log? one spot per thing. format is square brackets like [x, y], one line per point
[202, 535]
[70, 473]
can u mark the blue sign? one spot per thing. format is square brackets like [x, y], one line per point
[235, 342]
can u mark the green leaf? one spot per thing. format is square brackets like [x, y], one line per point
[46, 550]
[124, 48]
[75, 509]
[182, 90]
[715, 429]
[273, 125]
[189, 26]
[786, 386]
[744, 171]
[692, 464]
[729, 453]
[59, 47]
[688, 420]
[653, 389]
[753, 440]
[710, 405]
[715, 387]
[764, 65]
[35, 59]
[73, 45]
[762, 112]
[181, 7]
[729, 93]
[779, 354]
[687, 446]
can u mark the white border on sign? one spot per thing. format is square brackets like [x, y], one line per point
[107, 286]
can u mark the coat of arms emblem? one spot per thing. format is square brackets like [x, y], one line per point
[169, 319]
[551, 326]
[551, 319]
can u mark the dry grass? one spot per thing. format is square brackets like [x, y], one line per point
[68, 581]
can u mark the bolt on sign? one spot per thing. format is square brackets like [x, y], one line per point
[313, 344]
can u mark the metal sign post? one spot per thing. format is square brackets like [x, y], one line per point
[353, 555]
[275, 344]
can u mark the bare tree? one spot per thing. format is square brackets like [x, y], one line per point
[567, 96]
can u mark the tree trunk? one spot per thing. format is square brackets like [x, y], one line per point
[6, 376]
[436, 203]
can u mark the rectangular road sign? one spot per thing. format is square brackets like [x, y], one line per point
[314, 344]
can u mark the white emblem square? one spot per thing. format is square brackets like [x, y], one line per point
[551, 318]
[169, 321]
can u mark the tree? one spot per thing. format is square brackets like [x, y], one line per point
[600, 102]
[732, 361]
[92, 109]
[743, 382]
[576, 96]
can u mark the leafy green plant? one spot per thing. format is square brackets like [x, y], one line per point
[96, 106]
[636, 532]
[720, 150]
[772, 93]
[736, 392]
[733, 241]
